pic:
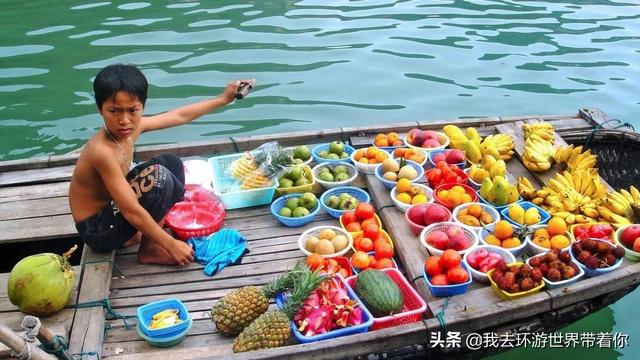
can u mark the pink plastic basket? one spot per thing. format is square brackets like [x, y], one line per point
[193, 219]
[414, 305]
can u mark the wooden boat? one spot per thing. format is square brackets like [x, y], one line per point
[34, 208]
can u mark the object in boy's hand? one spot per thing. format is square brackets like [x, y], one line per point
[244, 88]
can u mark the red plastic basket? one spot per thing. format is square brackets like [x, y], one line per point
[193, 219]
[413, 307]
[468, 189]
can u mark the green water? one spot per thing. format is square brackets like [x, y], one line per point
[322, 64]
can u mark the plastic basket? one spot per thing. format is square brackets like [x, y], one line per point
[514, 250]
[490, 209]
[193, 219]
[359, 194]
[370, 253]
[314, 231]
[433, 153]
[315, 152]
[499, 208]
[366, 168]
[413, 305]
[390, 184]
[345, 263]
[470, 234]
[448, 290]
[537, 249]
[511, 296]
[479, 275]
[443, 138]
[598, 271]
[561, 283]
[367, 319]
[279, 203]
[404, 206]
[355, 234]
[390, 149]
[421, 163]
[544, 215]
[144, 314]
[228, 189]
[448, 186]
[416, 229]
[353, 174]
[573, 227]
[301, 188]
[628, 253]
[166, 341]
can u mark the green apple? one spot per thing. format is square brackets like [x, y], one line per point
[294, 173]
[302, 181]
[301, 152]
[285, 183]
[300, 212]
[344, 155]
[342, 176]
[326, 176]
[333, 202]
[308, 200]
[340, 169]
[336, 147]
[324, 154]
[285, 211]
[292, 203]
[333, 156]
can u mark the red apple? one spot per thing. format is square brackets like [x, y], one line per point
[636, 245]
[455, 156]
[430, 143]
[417, 214]
[435, 213]
[430, 134]
[415, 137]
[438, 239]
[453, 231]
[630, 234]
[438, 157]
[458, 242]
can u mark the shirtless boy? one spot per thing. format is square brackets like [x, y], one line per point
[114, 206]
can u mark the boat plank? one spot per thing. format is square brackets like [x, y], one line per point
[25, 209]
[36, 175]
[38, 191]
[41, 228]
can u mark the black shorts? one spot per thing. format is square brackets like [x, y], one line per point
[158, 183]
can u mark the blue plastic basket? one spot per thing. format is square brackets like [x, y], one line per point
[432, 153]
[278, 204]
[358, 193]
[544, 215]
[598, 271]
[164, 342]
[367, 319]
[391, 184]
[448, 290]
[489, 229]
[315, 152]
[146, 312]
[228, 189]
[499, 208]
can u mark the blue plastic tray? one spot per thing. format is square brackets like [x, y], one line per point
[168, 341]
[367, 319]
[448, 290]
[544, 215]
[315, 152]
[391, 184]
[278, 204]
[146, 312]
[358, 193]
[598, 271]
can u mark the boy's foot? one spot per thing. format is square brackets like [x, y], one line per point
[135, 239]
[152, 253]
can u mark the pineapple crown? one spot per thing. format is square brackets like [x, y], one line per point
[306, 284]
[285, 281]
[276, 163]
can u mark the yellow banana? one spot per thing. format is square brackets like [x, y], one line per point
[165, 313]
[635, 194]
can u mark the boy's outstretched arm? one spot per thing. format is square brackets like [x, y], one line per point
[188, 113]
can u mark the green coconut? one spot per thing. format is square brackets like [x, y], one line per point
[41, 284]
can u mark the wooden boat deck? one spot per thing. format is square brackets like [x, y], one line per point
[33, 206]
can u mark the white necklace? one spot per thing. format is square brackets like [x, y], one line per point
[126, 159]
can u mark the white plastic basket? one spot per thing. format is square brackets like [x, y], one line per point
[479, 275]
[442, 226]
[366, 168]
[353, 172]
[314, 231]
[402, 206]
[443, 139]
[537, 249]
[488, 208]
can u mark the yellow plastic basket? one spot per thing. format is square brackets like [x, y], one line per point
[504, 295]
[302, 188]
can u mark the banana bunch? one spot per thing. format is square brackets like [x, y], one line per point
[570, 157]
[499, 146]
[538, 153]
[574, 196]
[621, 207]
[243, 166]
[165, 318]
[542, 129]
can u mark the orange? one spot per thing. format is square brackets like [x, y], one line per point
[381, 156]
[503, 230]
[541, 233]
[419, 199]
[404, 198]
[557, 226]
[397, 143]
[542, 242]
[372, 151]
[314, 261]
[560, 241]
[360, 260]
[384, 263]
[474, 210]
[403, 185]
[363, 160]
[511, 242]
[399, 152]
[492, 240]
[392, 137]
[359, 154]
[381, 142]
[381, 137]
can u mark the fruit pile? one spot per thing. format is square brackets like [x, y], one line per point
[301, 154]
[596, 254]
[326, 243]
[427, 214]
[335, 151]
[621, 207]
[474, 215]
[446, 269]
[393, 170]
[499, 146]
[498, 192]
[415, 155]
[449, 237]
[343, 201]
[327, 266]
[504, 236]
[454, 196]
[299, 206]
[571, 158]
[409, 193]
[427, 139]
[489, 167]
[334, 174]
[594, 231]
[296, 176]
[518, 214]
[630, 238]
[516, 277]
[370, 155]
[445, 173]
[538, 146]
[555, 265]
[449, 156]
[361, 219]
[389, 139]
[553, 235]
[484, 260]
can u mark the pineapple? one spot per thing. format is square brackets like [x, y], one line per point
[235, 311]
[272, 329]
[269, 166]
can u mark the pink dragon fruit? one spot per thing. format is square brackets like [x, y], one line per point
[318, 321]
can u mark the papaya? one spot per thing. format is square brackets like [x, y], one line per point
[379, 293]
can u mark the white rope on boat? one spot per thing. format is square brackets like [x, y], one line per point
[31, 325]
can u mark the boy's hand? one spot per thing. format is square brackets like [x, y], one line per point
[232, 88]
[182, 253]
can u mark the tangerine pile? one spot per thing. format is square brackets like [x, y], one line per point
[503, 236]
[415, 155]
[370, 155]
[553, 236]
[390, 139]
[410, 194]
[329, 266]
[455, 196]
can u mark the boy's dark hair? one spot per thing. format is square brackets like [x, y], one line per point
[120, 77]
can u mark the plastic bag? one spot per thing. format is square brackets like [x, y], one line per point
[259, 167]
[198, 172]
